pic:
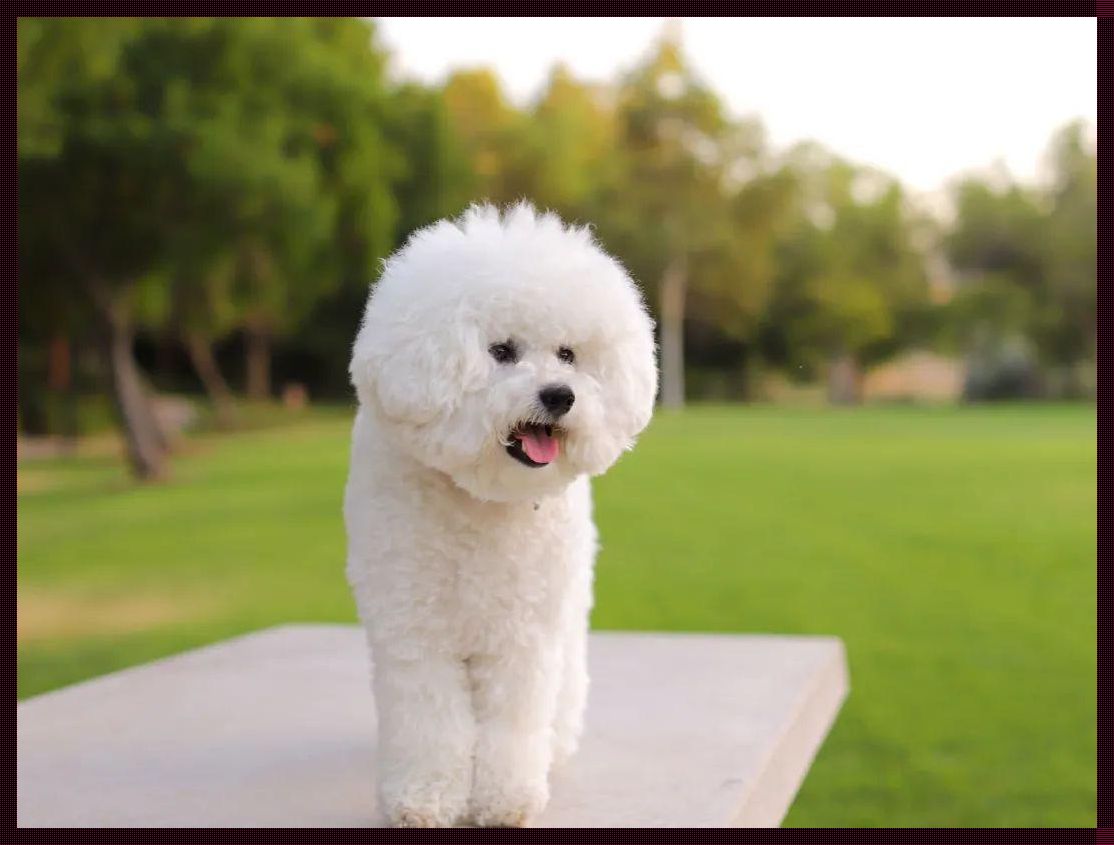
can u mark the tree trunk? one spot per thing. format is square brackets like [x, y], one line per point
[844, 380]
[60, 381]
[674, 281]
[58, 363]
[33, 418]
[258, 362]
[142, 436]
[205, 365]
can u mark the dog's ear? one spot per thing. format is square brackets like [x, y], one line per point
[412, 367]
[632, 379]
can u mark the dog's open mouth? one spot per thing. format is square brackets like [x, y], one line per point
[534, 444]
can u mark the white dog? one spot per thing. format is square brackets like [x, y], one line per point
[502, 360]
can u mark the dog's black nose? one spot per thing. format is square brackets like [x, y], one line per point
[557, 398]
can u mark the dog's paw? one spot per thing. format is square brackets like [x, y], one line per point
[507, 805]
[407, 815]
[410, 817]
[444, 805]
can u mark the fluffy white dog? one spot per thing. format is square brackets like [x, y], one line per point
[502, 361]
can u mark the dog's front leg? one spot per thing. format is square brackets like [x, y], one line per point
[426, 734]
[572, 695]
[514, 694]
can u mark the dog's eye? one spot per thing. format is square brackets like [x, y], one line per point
[504, 353]
[566, 355]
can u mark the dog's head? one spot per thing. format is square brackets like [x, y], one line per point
[509, 352]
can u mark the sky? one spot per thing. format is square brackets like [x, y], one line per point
[924, 99]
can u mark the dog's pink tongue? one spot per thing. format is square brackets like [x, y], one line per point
[539, 447]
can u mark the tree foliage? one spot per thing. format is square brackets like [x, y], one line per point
[1027, 255]
[224, 179]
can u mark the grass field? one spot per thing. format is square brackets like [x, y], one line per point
[952, 549]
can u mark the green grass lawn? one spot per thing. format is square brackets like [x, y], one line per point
[952, 549]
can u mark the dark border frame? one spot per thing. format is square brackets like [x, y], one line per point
[592, 8]
[1104, 835]
[1105, 381]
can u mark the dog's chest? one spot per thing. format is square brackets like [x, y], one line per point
[510, 571]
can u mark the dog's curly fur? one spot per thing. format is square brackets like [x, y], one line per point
[472, 569]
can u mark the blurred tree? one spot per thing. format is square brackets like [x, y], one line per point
[493, 133]
[1027, 256]
[53, 50]
[667, 207]
[995, 244]
[850, 273]
[571, 146]
[1066, 326]
[338, 105]
[217, 177]
[734, 278]
[202, 311]
[695, 208]
[50, 327]
[49, 319]
[97, 181]
[433, 179]
[997, 230]
[247, 185]
[241, 159]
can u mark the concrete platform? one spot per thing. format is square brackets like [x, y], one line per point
[277, 729]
